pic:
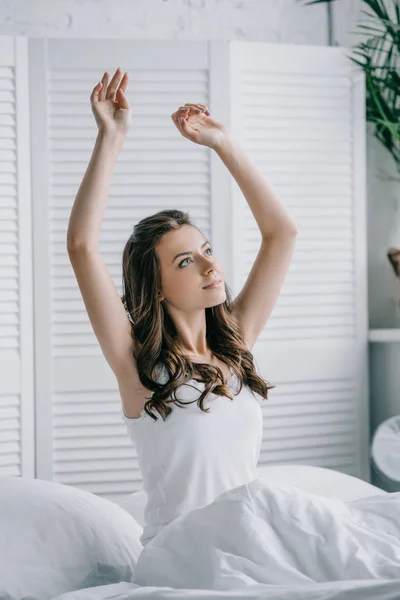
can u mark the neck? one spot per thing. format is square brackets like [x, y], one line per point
[198, 356]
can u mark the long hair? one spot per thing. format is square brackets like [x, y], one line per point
[153, 327]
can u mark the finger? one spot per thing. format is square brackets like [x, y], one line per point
[124, 82]
[180, 111]
[197, 110]
[183, 111]
[94, 96]
[103, 90]
[204, 108]
[122, 99]
[199, 106]
[194, 108]
[186, 130]
[112, 88]
[183, 125]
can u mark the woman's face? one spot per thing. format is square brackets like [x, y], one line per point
[183, 277]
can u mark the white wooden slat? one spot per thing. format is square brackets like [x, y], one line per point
[90, 443]
[9, 258]
[326, 439]
[10, 436]
[282, 169]
[9, 342]
[16, 310]
[155, 170]
[298, 112]
[147, 178]
[258, 95]
[308, 421]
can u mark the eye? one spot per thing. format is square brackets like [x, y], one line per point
[181, 263]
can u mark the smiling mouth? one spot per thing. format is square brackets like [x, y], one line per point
[212, 285]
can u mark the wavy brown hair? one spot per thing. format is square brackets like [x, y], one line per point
[153, 327]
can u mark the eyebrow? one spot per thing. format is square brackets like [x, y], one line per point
[185, 253]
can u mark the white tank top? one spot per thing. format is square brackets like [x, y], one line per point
[192, 457]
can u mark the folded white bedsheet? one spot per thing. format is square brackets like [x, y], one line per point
[261, 533]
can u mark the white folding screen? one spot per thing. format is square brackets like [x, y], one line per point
[82, 440]
[17, 443]
[299, 112]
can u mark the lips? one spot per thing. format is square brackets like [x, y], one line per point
[212, 283]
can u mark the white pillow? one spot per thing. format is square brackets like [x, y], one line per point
[56, 538]
[319, 480]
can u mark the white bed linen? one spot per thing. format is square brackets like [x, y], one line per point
[324, 482]
[272, 534]
[236, 569]
[332, 590]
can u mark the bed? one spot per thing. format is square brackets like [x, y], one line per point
[61, 543]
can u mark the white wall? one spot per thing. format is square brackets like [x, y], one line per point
[266, 20]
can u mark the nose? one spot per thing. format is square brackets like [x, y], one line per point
[214, 268]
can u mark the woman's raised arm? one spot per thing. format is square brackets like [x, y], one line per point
[103, 304]
[113, 117]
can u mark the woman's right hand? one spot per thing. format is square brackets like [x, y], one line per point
[110, 105]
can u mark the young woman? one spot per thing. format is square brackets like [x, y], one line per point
[179, 346]
[171, 339]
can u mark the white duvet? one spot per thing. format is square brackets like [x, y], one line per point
[261, 533]
[274, 542]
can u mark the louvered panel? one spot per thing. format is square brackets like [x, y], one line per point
[10, 426]
[308, 422]
[87, 446]
[146, 179]
[16, 396]
[91, 449]
[306, 105]
[9, 252]
[10, 436]
[300, 116]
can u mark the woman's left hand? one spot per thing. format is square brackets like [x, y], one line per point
[198, 126]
